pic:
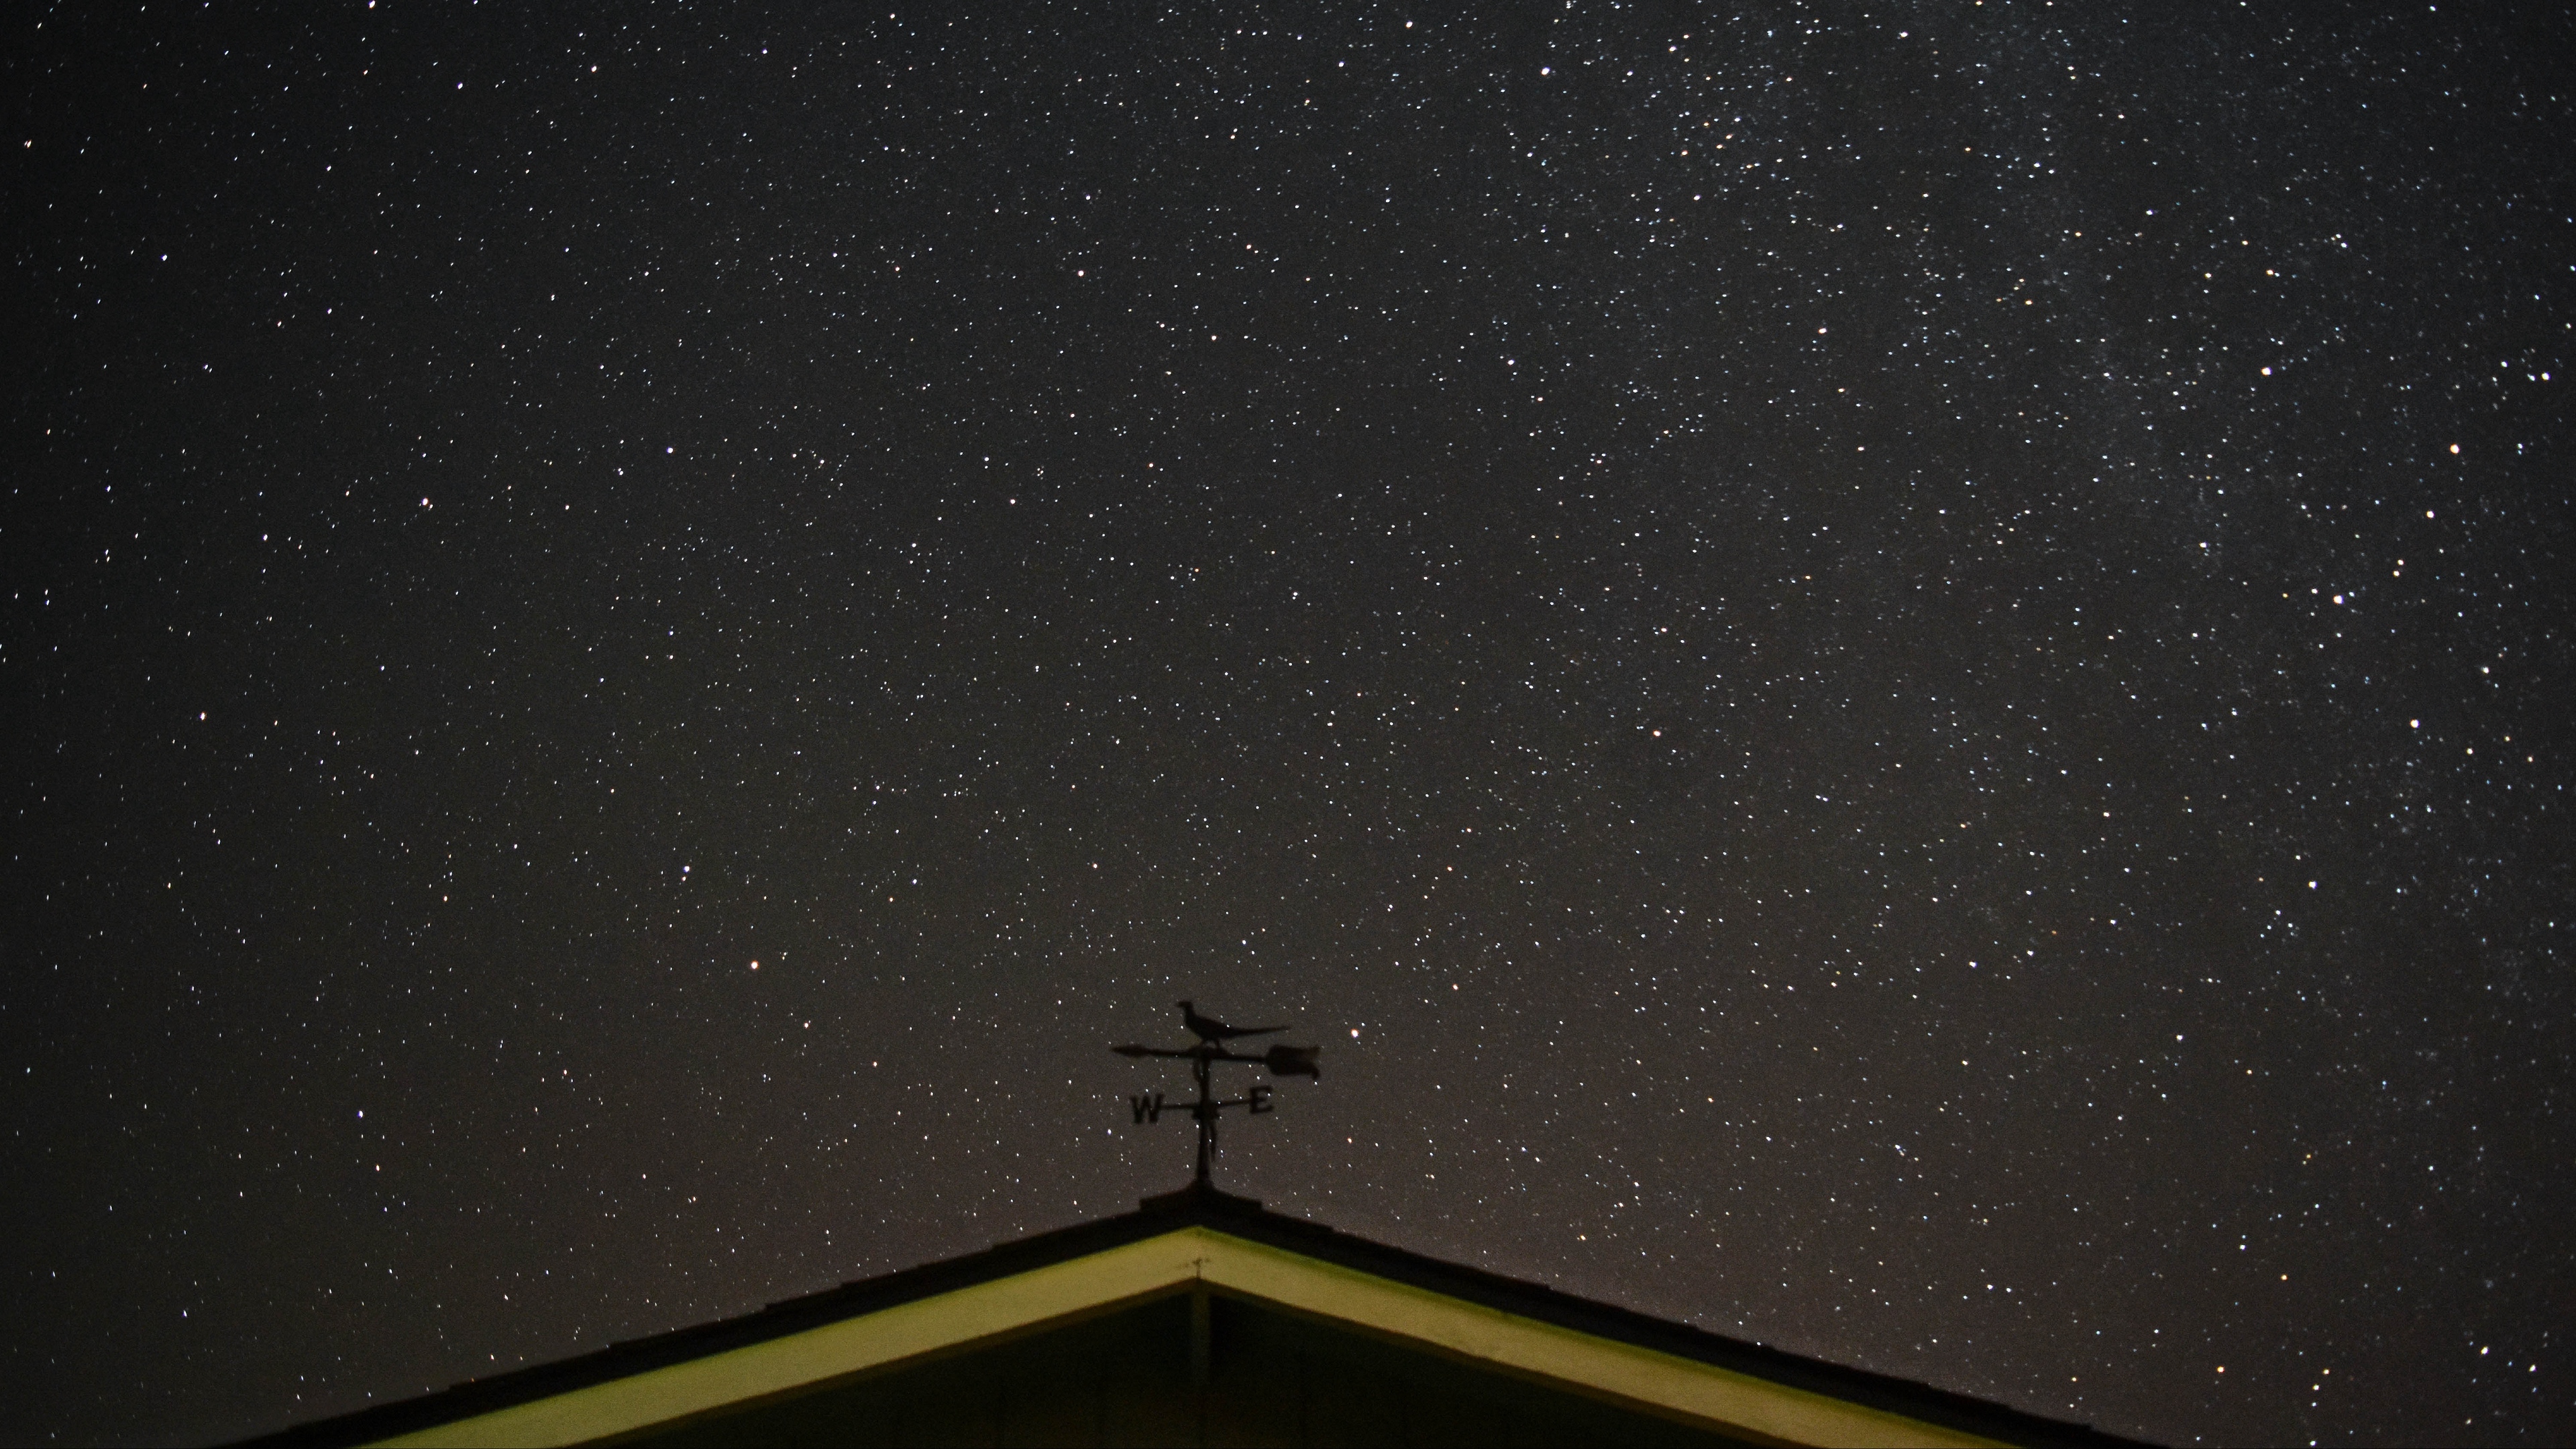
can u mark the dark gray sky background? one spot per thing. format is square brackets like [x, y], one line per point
[1891, 679]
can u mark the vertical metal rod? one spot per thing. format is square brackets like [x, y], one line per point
[1205, 1111]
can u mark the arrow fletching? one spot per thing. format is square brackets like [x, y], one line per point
[1293, 1061]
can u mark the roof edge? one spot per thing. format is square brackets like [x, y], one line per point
[1240, 1217]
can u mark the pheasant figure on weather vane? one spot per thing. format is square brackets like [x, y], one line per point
[1283, 1061]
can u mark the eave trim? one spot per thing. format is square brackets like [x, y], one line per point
[953, 1320]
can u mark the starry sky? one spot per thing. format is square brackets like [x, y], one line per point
[1888, 678]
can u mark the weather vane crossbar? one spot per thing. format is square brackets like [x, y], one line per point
[1283, 1061]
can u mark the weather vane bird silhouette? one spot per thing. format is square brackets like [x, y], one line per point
[1208, 1028]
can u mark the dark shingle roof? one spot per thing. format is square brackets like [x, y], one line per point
[1239, 1217]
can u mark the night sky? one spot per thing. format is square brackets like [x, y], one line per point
[1893, 680]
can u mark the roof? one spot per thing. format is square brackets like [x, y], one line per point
[1204, 1240]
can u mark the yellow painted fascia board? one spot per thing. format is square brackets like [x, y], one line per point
[1004, 1305]
[1544, 1350]
[791, 1361]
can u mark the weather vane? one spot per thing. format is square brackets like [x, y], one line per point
[1283, 1061]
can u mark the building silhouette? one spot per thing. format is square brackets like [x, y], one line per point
[1200, 1318]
